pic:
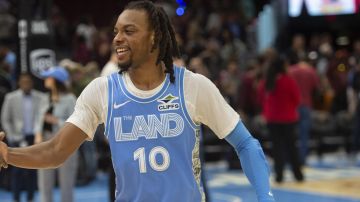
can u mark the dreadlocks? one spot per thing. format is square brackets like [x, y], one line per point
[164, 38]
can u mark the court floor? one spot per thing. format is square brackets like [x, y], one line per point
[335, 178]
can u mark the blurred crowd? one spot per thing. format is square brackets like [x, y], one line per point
[217, 39]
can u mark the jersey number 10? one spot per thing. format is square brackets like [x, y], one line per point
[139, 154]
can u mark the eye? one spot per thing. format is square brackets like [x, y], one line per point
[129, 32]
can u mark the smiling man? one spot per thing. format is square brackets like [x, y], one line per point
[152, 112]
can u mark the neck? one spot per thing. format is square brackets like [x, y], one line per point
[54, 95]
[147, 77]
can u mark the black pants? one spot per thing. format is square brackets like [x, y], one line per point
[23, 178]
[284, 148]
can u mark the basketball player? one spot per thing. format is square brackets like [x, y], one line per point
[152, 112]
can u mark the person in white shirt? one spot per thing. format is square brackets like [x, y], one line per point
[152, 111]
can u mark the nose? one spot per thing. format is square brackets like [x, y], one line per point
[118, 38]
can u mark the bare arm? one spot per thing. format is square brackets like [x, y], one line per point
[49, 154]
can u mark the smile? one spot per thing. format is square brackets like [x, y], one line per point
[121, 50]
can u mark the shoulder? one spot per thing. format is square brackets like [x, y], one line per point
[95, 92]
[13, 94]
[102, 80]
[99, 83]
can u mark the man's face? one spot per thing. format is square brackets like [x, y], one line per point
[25, 83]
[132, 40]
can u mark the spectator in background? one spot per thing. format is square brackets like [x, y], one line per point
[337, 73]
[232, 47]
[230, 82]
[7, 22]
[5, 84]
[352, 90]
[87, 30]
[314, 42]
[354, 95]
[279, 96]
[21, 117]
[102, 50]
[211, 58]
[247, 90]
[195, 43]
[214, 21]
[61, 107]
[356, 51]
[81, 53]
[326, 52]
[61, 30]
[8, 62]
[77, 74]
[308, 83]
[297, 49]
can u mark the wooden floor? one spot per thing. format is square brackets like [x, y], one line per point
[335, 178]
[341, 187]
[336, 175]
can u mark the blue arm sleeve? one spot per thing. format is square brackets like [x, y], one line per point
[252, 160]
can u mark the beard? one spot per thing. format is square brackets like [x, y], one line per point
[125, 66]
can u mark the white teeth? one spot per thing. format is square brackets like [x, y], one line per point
[120, 50]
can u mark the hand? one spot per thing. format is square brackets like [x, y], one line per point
[3, 151]
[50, 119]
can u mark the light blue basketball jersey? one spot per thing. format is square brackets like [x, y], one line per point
[154, 144]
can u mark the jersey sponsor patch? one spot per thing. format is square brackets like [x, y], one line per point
[166, 103]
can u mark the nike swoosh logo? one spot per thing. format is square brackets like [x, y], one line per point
[117, 106]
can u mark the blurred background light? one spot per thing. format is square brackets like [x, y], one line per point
[180, 11]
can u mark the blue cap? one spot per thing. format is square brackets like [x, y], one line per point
[58, 73]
